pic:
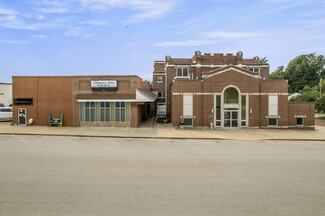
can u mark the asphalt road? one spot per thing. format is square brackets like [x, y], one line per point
[87, 176]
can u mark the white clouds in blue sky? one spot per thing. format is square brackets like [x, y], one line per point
[70, 37]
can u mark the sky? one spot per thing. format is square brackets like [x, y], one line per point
[125, 37]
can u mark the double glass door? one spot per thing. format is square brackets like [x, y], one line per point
[231, 118]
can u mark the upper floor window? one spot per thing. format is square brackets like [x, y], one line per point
[160, 94]
[255, 70]
[182, 72]
[159, 79]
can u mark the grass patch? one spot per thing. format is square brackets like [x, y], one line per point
[321, 117]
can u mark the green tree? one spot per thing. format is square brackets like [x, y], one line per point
[263, 60]
[278, 73]
[149, 83]
[320, 104]
[307, 94]
[304, 70]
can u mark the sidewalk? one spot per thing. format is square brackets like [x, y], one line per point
[166, 132]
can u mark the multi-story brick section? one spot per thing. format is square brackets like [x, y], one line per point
[225, 90]
[165, 71]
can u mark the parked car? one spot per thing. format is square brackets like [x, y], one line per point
[5, 113]
[2, 105]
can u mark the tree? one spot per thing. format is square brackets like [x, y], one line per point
[263, 60]
[320, 104]
[278, 73]
[149, 83]
[304, 70]
[307, 94]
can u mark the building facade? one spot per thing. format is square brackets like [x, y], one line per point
[226, 91]
[120, 101]
[6, 94]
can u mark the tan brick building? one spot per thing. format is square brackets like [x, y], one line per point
[226, 91]
[84, 100]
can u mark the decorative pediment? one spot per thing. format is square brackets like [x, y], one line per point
[230, 68]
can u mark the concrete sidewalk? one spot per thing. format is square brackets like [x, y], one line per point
[167, 132]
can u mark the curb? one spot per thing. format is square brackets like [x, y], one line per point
[165, 138]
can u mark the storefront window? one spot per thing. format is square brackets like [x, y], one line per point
[231, 96]
[105, 109]
[120, 112]
[105, 112]
[90, 111]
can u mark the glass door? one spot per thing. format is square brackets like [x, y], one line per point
[231, 118]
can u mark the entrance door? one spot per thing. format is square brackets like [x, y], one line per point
[22, 116]
[231, 118]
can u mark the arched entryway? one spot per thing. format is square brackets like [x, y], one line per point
[231, 108]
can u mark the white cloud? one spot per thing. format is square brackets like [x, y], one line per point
[131, 44]
[223, 34]
[13, 41]
[4, 11]
[54, 10]
[16, 22]
[187, 43]
[145, 9]
[311, 23]
[74, 32]
[95, 22]
[39, 36]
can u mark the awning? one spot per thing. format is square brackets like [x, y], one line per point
[142, 95]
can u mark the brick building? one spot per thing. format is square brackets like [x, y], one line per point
[227, 91]
[84, 100]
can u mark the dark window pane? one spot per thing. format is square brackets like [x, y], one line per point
[231, 96]
[92, 115]
[117, 104]
[87, 104]
[92, 104]
[102, 115]
[227, 123]
[234, 115]
[218, 102]
[122, 104]
[235, 123]
[299, 121]
[187, 121]
[227, 115]
[218, 114]
[243, 123]
[87, 115]
[108, 104]
[122, 115]
[243, 107]
[108, 115]
[117, 115]
[185, 72]
[272, 121]
[179, 71]
[218, 123]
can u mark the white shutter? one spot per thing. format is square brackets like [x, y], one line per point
[273, 105]
[188, 105]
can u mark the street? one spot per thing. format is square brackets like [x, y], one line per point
[42, 175]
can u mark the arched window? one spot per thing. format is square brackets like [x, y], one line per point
[231, 96]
